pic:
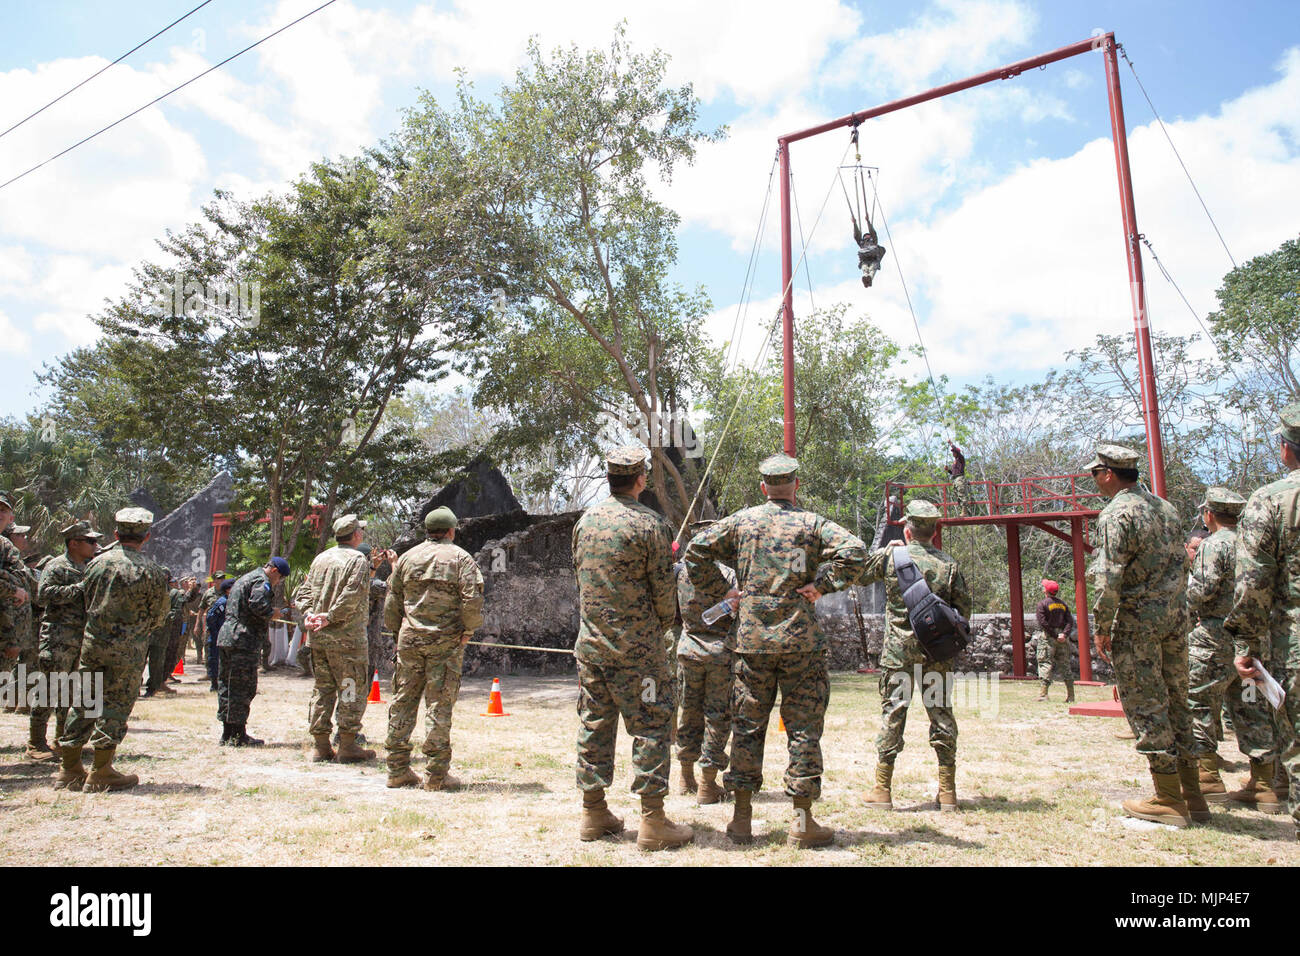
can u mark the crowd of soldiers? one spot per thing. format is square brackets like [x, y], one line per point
[698, 651]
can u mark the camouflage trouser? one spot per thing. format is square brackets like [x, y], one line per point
[705, 718]
[27, 656]
[199, 631]
[54, 659]
[175, 649]
[1054, 659]
[643, 696]
[431, 672]
[1213, 684]
[1151, 676]
[120, 663]
[931, 679]
[236, 684]
[341, 684]
[157, 659]
[961, 494]
[805, 690]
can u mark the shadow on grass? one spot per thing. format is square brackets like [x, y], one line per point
[913, 834]
[493, 786]
[1251, 823]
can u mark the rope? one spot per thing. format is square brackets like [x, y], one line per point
[747, 287]
[523, 647]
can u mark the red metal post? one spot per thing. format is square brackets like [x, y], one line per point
[1081, 600]
[787, 300]
[1017, 600]
[1137, 283]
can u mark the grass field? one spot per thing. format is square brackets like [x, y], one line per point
[1037, 787]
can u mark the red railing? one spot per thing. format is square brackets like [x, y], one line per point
[991, 498]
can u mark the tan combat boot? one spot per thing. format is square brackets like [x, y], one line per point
[1212, 787]
[597, 820]
[687, 784]
[322, 750]
[1281, 782]
[947, 798]
[710, 792]
[1042, 694]
[740, 829]
[657, 832]
[406, 777]
[1167, 806]
[1069, 692]
[444, 781]
[1257, 790]
[805, 832]
[1198, 811]
[882, 798]
[72, 775]
[103, 777]
[349, 752]
[1125, 734]
[37, 748]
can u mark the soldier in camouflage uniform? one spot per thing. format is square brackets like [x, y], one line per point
[1140, 609]
[126, 599]
[1053, 644]
[249, 608]
[201, 633]
[25, 618]
[13, 590]
[333, 599]
[62, 627]
[1266, 605]
[434, 604]
[904, 667]
[704, 682]
[156, 658]
[1212, 678]
[627, 599]
[184, 598]
[785, 560]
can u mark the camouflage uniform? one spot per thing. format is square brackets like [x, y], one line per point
[13, 575]
[434, 600]
[249, 607]
[126, 599]
[26, 625]
[1053, 655]
[627, 600]
[703, 675]
[201, 626]
[776, 548]
[175, 631]
[1140, 600]
[338, 585]
[61, 633]
[378, 652]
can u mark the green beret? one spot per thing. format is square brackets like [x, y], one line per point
[1290, 427]
[80, 529]
[440, 519]
[626, 460]
[134, 520]
[924, 513]
[1223, 500]
[1113, 456]
[347, 526]
[779, 469]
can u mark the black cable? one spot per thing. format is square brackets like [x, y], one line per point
[164, 95]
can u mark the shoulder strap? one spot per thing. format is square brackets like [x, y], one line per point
[910, 579]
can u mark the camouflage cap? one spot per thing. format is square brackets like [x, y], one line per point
[1290, 423]
[347, 526]
[19, 529]
[80, 529]
[1223, 500]
[626, 460]
[1113, 456]
[778, 469]
[698, 526]
[440, 519]
[133, 520]
[7, 499]
[924, 514]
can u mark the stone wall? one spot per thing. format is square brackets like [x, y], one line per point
[174, 538]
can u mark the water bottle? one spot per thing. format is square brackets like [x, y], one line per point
[715, 613]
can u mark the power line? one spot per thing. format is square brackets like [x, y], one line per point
[165, 95]
[96, 73]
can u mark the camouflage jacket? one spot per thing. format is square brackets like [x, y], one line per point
[1266, 598]
[337, 585]
[776, 548]
[27, 617]
[1138, 573]
[901, 649]
[64, 602]
[435, 595]
[1209, 583]
[626, 595]
[12, 577]
[700, 641]
[249, 607]
[126, 596]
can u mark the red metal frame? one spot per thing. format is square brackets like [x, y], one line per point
[221, 532]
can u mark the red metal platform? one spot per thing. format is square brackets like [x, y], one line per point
[1104, 708]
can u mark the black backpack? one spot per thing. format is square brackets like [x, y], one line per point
[942, 631]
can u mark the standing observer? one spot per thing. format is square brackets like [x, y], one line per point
[249, 607]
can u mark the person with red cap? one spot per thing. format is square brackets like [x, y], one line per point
[1053, 647]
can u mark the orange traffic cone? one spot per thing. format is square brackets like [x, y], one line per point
[494, 701]
[180, 668]
[780, 723]
[374, 697]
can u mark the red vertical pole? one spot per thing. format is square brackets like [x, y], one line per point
[1137, 283]
[1017, 600]
[1082, 630]
[787, 300]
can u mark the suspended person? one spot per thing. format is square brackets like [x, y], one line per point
[870, 252]
[785, 558]
[1053, 645]
[214, 620]
[956, 470]
[434, 603]
[249, 606]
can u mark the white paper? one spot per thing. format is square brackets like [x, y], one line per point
[1273, 691]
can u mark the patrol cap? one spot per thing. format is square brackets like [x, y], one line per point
[19, 529]
[624, 460]
[779, 469]
[80, 529]
[440, 519]
[1290, 427]
[134, 520]
[347, 526]
[280, 565]
[924, 514]
[7, 499]
[1113, 456]
[1223, 500]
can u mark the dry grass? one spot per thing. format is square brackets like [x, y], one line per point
[1037, 787]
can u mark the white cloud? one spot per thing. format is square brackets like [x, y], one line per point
[13, 340]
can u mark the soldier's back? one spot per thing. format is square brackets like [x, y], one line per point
[430, 577]
[124, 592]
[1147, 532]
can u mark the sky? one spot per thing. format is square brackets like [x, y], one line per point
[1002, 202]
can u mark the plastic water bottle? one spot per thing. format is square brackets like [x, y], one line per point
[717, 612]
